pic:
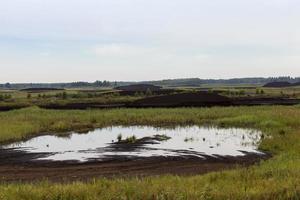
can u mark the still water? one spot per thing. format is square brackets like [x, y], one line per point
[182, 141]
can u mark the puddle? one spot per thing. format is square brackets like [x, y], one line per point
[102, 144]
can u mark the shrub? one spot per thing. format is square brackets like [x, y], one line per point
[119, 137]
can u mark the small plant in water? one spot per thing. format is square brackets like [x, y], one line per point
[119, 138]
[131, 139]
[162, 137]
[191, 139]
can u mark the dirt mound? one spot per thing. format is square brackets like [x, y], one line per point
[183, 99]
[259, 101]
[80, 106]
[296, 84]
[157, 92]
[41, 89]
[139, 88]
[278, 84]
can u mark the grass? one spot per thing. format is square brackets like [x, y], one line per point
[19, 99]
[131, 139]
[277, 178]
[109, 96]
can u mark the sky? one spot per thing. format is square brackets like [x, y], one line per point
[88, 40]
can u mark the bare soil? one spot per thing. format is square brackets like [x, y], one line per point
[38, 90]
[183, 99]
[17, 166]
[206, 99]
[194, 99]
[139, 88]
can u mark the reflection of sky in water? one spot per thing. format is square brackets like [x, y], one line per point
[188, 140]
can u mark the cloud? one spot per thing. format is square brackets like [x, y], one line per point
[120, 50]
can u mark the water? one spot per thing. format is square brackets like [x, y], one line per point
[184, 141]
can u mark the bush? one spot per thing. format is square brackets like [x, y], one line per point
[64, 95]
[119, 137]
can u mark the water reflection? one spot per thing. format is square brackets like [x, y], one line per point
[137, 141]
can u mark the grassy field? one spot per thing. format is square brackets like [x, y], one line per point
[277, 178]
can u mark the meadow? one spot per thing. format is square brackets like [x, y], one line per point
[276, 178]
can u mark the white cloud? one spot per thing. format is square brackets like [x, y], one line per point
[120, 50]
[156, 39]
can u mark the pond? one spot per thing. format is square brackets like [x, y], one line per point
[142, 141]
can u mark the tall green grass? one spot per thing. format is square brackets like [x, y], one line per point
[277, 178]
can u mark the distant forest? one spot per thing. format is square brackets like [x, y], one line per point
[168, 82]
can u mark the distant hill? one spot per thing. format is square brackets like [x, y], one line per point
[185, 82]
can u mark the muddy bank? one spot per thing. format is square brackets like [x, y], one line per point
[15, 167]
[20, 165]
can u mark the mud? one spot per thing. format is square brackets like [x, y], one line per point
[15, 166]
[38, 90]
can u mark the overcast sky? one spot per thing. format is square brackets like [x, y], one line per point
[73, 40]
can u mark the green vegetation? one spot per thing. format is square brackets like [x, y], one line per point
[277, 178]
[16, 99]
[131, 139]
[189, 139]
[10, 99]
[162, 137]
[119, 138]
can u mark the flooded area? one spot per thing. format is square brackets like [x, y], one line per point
[142, 142]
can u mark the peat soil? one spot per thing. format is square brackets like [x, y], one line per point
[195, 99]
[19, 166]
[38, 90]
[166, 99]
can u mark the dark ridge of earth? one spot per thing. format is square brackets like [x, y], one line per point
[183, 99]
[139, 88]
[155, 92]
[12, 107]
[195, 99]
[207, 99]
[296, 84]
[179, 100]
[37, 90]
[281, 84]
